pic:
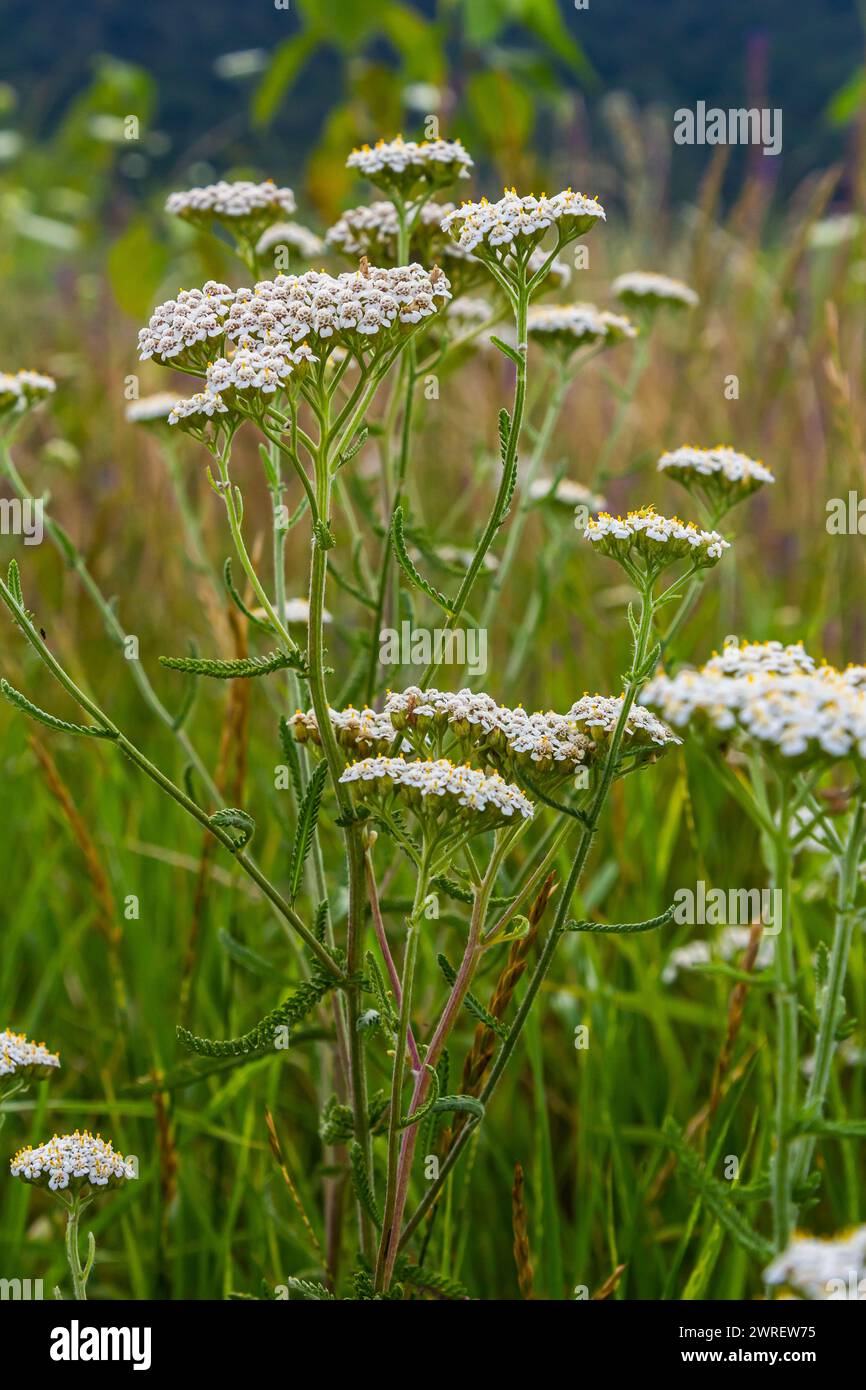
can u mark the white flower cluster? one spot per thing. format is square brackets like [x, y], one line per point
[236, 203]
[256, 339]
[570, 326]
[149, 409]
[528, 218]
[823, 1269]
[197, 409]
[406, 165]
[722, 472]
[550, 740]
[464, 787]
[647, 536]
[567, 491]
[21, 390]
[72, 1160]
[648, 287]
[600, 714]
[298, 238]
[182, 324]
[295, 610]
[760, 658]
[18, 1054]
[363, 729]
[265, 367]
[469, 311]
[355, 305]
[799, 713]
[731, 942]
[372, 229]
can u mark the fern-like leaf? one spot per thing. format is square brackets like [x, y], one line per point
[241, 669]
[308, 815]
[233, 818]
[60, 725]
[361, 1183]
[623, 928]
[409, 569]
[261, 1039]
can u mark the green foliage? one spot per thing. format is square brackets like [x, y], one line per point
[240, 669]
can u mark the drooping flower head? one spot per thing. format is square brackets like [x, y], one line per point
[721, 477]
[25, 1060]
[81, 1163]
[448, 799]
[406, 168]
[644, 542]
[563, 328]
[245, 208]
[645, 289]
[20, 391]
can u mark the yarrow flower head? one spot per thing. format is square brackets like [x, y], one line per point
[20, 391]
[721, 476]
[405, 168]
[373, 231]
[645, 289]
[823, 1269]
[770, 699]
[244, 207]
[249, 344]
[541, 748]
[193, 413]
[760, 658]
[23, 1059]
[81, 1163]
[516, 224]
[298, 240]
[644, 542]
[448, 798]
[295, 610]
[644, 739]
[151, 410]
[563, 328]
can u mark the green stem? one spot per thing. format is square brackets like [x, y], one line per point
[786, 1026]
[833, 995]
[641, 650]
[75, 1206]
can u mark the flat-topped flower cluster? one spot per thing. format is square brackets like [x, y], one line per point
[408, 166]
[566, 327]
[646, 288]
[21, 390]
[440, 788]
[722, 474]
[544, 746]
[527, 219]
[773, 698]
[248, 206]
[76, 1161]
[19, 1056]
[646, 536]
[255, 340]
